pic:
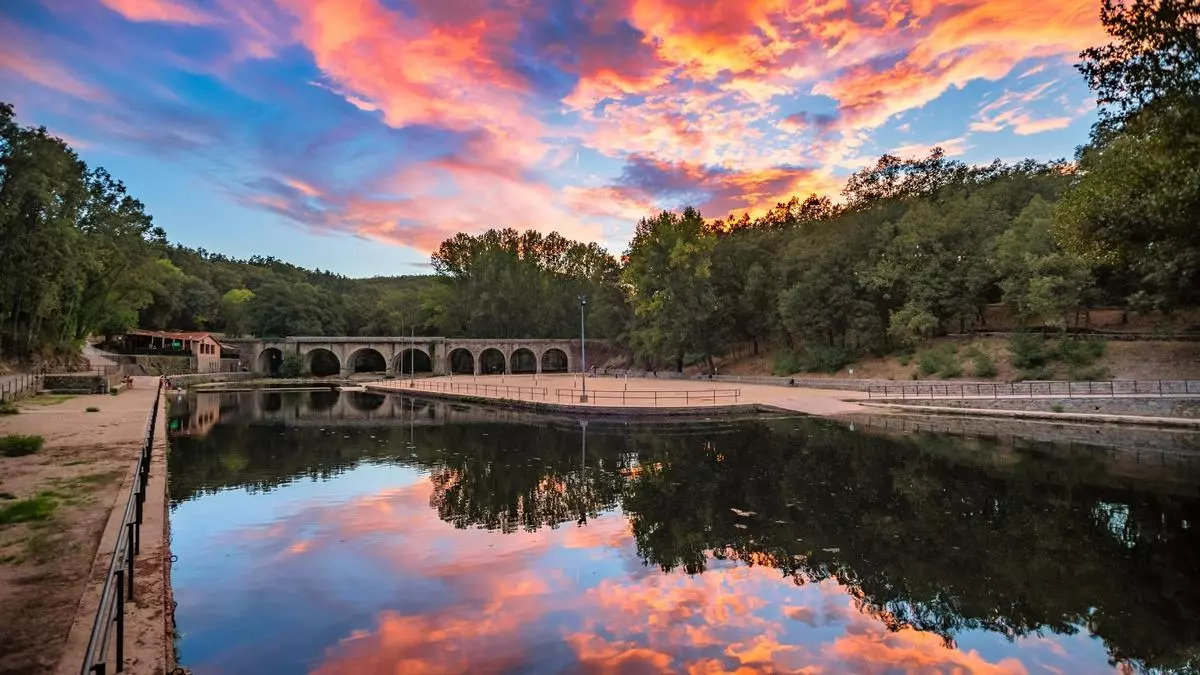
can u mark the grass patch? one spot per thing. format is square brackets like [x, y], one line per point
[89, 481]
[1057, 407]
[36, 508]
[48, 399]
[92, 409]
[19, 446]
[9, 409]
[982, 363]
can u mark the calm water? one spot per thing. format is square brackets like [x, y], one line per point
[319, 532]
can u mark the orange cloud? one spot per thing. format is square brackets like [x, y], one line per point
[167, 11]
[869, 647]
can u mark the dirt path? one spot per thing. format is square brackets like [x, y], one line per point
[75, 480]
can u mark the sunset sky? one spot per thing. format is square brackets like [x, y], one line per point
[355, 135]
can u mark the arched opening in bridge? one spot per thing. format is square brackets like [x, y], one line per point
[462, 362]
[322, 363]
[323, 399]
[364, 401]
[491, 362]
[269, 361]
[367, 360]
[523, 361]
[413, 361]
[554, 360]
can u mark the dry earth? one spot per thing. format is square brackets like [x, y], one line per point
[1133, 360]
[45, 565]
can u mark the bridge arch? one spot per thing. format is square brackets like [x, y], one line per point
[366, 360]
[269, 360]
[492, 362]
[523, 361]
[555, 360]
[413, 359]
[322, 362]
[462, 361]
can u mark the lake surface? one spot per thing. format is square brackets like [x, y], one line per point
[349, 533]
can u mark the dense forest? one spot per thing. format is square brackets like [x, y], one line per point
[913, 248]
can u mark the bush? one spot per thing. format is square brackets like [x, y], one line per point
[950, 371]
[19, 446]
[1078, 353]
[114, 391]
[904, 359]
[1029, 351]
[291, 366]
[1057, 407]
[786, 363]
[8, 409]
[939, 359]
[93, 409]
[983, 365]
[823, 359]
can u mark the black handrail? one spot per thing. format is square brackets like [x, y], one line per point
[118, 581]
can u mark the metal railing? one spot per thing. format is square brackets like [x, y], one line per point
[81, 369]
[20, 386]
[469, 388]
[642, 397]
[1062, 389]
[118, 581]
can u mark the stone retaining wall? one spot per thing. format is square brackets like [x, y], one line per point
[75, 383]
[1148, 407]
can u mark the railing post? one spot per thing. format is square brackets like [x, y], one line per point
[129, 556]
[120, 619]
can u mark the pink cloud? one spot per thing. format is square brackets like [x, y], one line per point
[167, 11]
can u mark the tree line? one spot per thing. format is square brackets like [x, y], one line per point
[914, 247]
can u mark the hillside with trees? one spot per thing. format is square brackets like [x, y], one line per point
[913, 249]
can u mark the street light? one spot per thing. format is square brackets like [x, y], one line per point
[582, 349]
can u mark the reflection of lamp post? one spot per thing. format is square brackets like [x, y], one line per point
[582, 349]
[583, 424]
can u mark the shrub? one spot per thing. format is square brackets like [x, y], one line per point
[1078, 353]
[1028, 351]
[824, 359]
[8, 409]
[904, 359]
[291, 366]
[114, 391]
[786, 363]
[1057, 407]
[939, 359]
[19, 446]
[93, 409]
[950, 370]
[982, 365]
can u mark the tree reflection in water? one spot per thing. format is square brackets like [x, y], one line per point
[934, 532]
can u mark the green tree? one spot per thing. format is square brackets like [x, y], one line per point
[668, 269]
[234, 310]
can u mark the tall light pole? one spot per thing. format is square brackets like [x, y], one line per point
[582, 349]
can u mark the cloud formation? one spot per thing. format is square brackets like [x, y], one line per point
[406, 122]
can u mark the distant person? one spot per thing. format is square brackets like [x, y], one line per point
[791, 381]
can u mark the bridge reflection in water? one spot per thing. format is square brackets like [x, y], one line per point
[323, 533]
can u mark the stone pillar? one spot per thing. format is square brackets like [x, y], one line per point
[475, 361]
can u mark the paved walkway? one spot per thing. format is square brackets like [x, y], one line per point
[634, 393]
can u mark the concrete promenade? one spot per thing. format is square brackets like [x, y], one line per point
[610, 394]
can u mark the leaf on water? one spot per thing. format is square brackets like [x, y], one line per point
[740, 526]
[744, 514]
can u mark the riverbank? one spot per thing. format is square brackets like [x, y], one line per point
[54, 551]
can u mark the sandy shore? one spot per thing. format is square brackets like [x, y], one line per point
[49, 566]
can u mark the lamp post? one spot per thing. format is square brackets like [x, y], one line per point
[582, 349]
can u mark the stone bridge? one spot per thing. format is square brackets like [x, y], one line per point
[403, 355]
